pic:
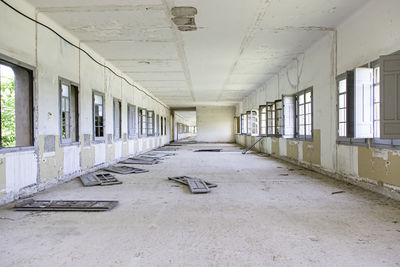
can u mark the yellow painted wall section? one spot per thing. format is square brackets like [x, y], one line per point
[293, 149]
[275, 146]
[379, 165]
[312, 150]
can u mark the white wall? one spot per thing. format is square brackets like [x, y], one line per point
[215, 124]
[51, 58]
[374, 30]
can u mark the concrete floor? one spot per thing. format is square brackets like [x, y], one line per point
[256, 217]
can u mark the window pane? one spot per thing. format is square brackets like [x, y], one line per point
[342, 115]
[308, 108]
[301, 110]
[308, 97]
[64, 90]
[301, 99]
[342, 86]
[308, 130]
[342, 129]
[342, 101]
[308, 119]
[98, 99]
[377, 93]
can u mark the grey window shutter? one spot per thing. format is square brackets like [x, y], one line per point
[288, 116]
[363, 103]
[390, 96]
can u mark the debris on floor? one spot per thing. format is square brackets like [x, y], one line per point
[173, 145]
[140, 161]
[284, 174]
[65, 205]
[338, 192]
[102, 179]
[166, 149]
[196, 185]
[209, 150]
[121, 169]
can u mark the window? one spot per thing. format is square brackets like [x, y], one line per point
[248, 116]
[263, 120]
[289, 115]
[376, 102]
[69, 112]
[236, 122]
[131, 121]
[162, 125]
[157, 125]
[165, 126]
[243, 124]
[304, 115]
[142, 122]
[98, 114]
[342, 107]
[117, 119]
[150, 123]
[16, 106]
[270, 119]
[254, 117]
[278, 118]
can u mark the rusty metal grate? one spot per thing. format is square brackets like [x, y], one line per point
[99, 179]
[124, 169]
[65, 205]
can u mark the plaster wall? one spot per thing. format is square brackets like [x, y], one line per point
[215, 124]
[29, 169]
[369, 33]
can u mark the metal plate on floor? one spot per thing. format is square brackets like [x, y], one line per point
[140, 161]
[183, 180]
[166, 149]
[197, 186]
[99, 179]
[209, 150]
[65, 205]
[124, 169]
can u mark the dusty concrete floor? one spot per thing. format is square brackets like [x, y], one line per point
[256, 217]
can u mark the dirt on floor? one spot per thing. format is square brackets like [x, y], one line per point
[264, 212]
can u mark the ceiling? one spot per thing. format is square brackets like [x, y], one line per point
[238, 44]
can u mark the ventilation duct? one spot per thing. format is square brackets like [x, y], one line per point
[183, 17]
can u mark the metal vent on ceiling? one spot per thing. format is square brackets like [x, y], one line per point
[183, 17]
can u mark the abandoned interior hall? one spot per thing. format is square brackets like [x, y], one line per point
[200, 133]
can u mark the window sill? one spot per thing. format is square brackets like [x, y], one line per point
[70, 144]
[6, 150]
[99, 141]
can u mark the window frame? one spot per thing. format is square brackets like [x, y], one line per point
[236, 125]
[262, 117]
[271, 110]
[298, 136]
[119, 102]
[68, 141]
[100, 139]
[393, 144]
[243, 128]
[165, 126]
[132, 121]
[278, 118]
[11, 62]
[150, 119]
[142, 132]
[248, 122]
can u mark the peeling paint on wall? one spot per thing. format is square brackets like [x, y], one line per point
[382, 166]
